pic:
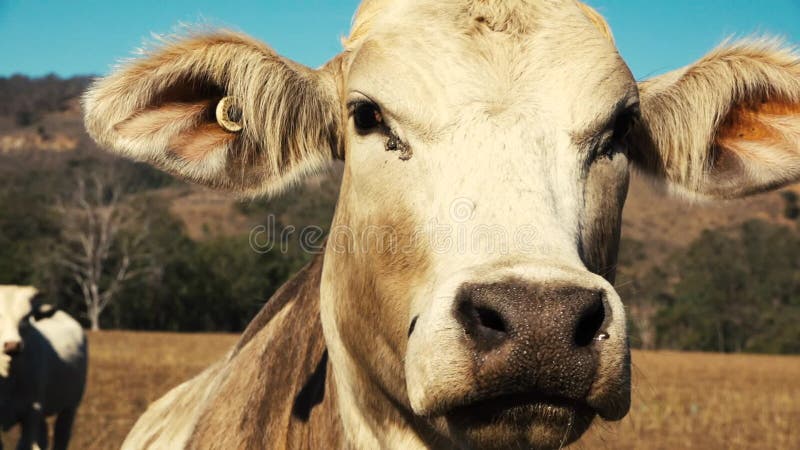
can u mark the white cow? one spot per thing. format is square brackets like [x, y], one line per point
[42, 368]
[465, 296]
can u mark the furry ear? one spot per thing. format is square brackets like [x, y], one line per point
[44, 311]
[40, 310]
[222, 110]
[726, 126]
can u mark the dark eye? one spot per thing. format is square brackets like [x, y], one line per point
[367, 117]
[619, 134]
[624, 125]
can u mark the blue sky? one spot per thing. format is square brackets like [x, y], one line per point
[71, 37]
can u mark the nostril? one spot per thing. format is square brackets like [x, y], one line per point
[491, 319]
[484, 325]
[590, 322]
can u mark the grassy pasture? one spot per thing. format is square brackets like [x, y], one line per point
[680, 400]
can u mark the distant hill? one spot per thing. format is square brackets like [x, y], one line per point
[27, 100]
[664, 223]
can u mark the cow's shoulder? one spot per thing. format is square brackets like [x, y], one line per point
[268, 392]
[303, 288]
[277, 391]
[169, 421]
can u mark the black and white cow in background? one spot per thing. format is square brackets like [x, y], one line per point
[42, 368]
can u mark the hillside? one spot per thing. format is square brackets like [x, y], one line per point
[665, 223]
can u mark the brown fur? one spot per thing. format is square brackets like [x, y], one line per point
[272, 366]
[371, 305]
[762, 124]
[752, 122]
[605, 193]
[193, 146]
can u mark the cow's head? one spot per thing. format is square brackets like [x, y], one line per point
[467, 283]
[19, 306]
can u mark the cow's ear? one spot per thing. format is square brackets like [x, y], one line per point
[726, 126]
[43, 311]
[38, 309]
[221, 110]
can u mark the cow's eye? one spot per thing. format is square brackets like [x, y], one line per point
[623, 125]
[366, 116]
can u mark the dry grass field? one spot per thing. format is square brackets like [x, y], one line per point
[129, 370]
[707, 401]
[680, 400]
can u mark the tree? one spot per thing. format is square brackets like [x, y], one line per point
[101, 242]
[27, 223]
[791, 209]
[737, 290]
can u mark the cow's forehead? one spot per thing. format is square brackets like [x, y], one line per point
[530, 57]
[15, 301]
[510, 16]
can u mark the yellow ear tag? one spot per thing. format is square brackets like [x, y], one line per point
[229, 115]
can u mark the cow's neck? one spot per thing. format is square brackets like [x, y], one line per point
[371, 416]
[303, 389]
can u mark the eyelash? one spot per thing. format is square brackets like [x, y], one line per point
[367, 116]
[623, 125]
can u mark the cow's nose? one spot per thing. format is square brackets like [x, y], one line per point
[530, 338]
[12, 347]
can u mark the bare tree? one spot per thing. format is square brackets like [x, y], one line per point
[102, 241]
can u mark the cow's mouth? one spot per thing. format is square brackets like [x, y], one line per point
[517, 406]
[557, 420]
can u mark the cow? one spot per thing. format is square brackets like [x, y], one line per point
[42, 368]
[508, 126]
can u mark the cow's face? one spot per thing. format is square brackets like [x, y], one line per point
[485, 173]
[466, 289]
[15, 315]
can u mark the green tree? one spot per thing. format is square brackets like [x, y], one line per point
[737, 290]
[213, 285]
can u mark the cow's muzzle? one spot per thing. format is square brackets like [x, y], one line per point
[547, 353]
[532, 339]
[12, 348]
